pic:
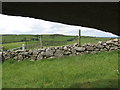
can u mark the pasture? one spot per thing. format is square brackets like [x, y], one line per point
[98, 70]
[87, 71]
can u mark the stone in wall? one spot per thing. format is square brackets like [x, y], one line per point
[90, 48]
[40, 56]
[67, 50]
[49, 52]
[58, 53]
[79, 49]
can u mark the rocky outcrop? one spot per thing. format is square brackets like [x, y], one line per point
[59, 51]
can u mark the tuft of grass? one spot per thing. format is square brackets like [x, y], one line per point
[86, 71]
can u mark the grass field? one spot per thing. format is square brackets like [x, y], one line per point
[86, 71]
[14, 41]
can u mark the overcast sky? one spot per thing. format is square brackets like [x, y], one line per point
[26, 25]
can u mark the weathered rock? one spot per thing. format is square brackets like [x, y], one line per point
[73, 51]
[114, 48]
[100, 46]
[33, 57]
[108, 47]
[49, 52]
[115, 40]
[39, 57]
[70, 50]
[43, 53]
[99, 42]
[65, 47]
[35, 52]
[89, 48]
[79, 48]
[96, 49]
[30, 52]
[104, 44]
[67, 53]
[58, 53]
[15, 57]
[20, 57]
[93, 52]
[51, 57]
[109, 42]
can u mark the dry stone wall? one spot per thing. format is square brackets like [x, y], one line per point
[68, 50]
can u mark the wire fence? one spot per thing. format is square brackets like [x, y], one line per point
[34, 41]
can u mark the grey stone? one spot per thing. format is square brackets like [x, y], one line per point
[15, 57]
[79, 48]
[35, 52]
[49, 52]
[33, 57]
[104, 44]
[108, 47]
[73, 51]
[109, 42]
[65, 47]
[58, 53]
[51, 57]
[30, 52]
[90, 48]
[114, 48]
[67, 53]
[115, 40]
[100, 42]
[100, 46]
[39, 57]
[20, 57]
[43, 53]
[96, 49]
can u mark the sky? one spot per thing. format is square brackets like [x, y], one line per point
[27, 25]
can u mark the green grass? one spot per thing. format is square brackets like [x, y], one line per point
[52, 40]
[13, 45]
[86, 71]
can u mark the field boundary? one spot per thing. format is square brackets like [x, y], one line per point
[59, 51]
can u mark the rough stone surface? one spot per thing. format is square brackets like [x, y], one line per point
[79, 48]
[69, 50]
[90, 48]
[58, 53]
[49, 52]
[39, 57]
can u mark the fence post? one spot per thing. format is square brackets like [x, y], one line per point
[23, 47]
[25, 43]
[41, 41]
[79, 44]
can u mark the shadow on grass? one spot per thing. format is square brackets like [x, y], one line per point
[110, 83]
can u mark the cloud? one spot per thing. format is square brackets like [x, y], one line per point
[26, 25]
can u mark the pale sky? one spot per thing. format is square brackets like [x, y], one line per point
[26, 25]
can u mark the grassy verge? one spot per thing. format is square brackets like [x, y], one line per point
[86, 71]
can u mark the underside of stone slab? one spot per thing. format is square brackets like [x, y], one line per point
[99, 15]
